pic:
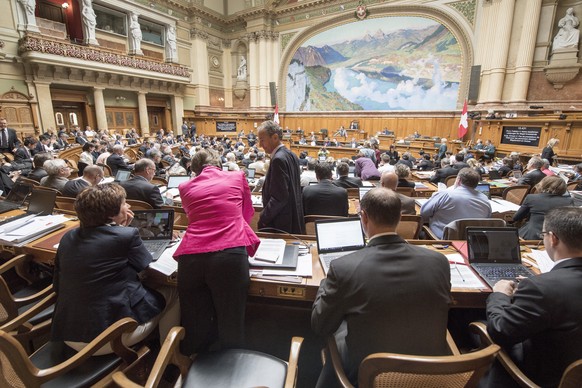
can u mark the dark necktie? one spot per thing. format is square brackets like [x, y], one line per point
[4, 139]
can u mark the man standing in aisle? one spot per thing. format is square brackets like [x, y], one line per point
[282, 201]
[8, 139]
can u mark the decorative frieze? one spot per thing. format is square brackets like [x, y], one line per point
[199, 34]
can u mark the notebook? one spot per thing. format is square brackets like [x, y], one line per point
[484, 188]
[176, 180]
[337, 238]
[364, 190]
[122, 175]
[155, 228]
[16, 197]
[494, 253]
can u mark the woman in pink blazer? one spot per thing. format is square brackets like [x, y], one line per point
[213, 267]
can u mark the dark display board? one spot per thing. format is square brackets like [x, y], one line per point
[226, 126]
[527, 136]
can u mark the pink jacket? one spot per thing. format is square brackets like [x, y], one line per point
[219, 208]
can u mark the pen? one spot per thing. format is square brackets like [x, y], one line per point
[460, 274]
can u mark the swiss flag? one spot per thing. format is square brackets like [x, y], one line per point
[276, 115]
[463, 124]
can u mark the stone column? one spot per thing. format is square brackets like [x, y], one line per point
[100, 112]
[227, 73]
[275, 56]
[264, 97]
[253, 69]
[485, 41]
[144, 121]
[525, 54]
[45, 105]
[199, 60]
[177, 106]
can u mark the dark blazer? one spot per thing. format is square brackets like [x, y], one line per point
[410, 286]
[532, 178]
[348, 182]
[402, 182]
[441, 175]
[37, 174]
[325, 198]
[425, 165]
[139, 188]
[23, 155]
[74, 187]
[60, 144]
[116, 162]
[543, 319]
[408, 205]
[535, 206]
[13, 141]
[97, 283]
[282, 201]
[548, 153]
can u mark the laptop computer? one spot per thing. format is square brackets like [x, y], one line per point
[337, 238]
[494, 253]
[517, 174]
[16, 197]
[494, 174]
[122, 175]
[155, 228]
[176, 180]
[363, 190]
[42, 202]
[484, 188]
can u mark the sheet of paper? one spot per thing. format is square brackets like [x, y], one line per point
[455, 258]
[463, 277]
[501, 206]
[304, 268]
[545, 264]
[271, 250]
[166, 263]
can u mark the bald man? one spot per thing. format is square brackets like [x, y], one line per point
[92, 175]
[389, 180]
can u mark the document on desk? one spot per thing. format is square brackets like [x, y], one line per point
[463, 277]
[166, 263]
[271, 250]
[545, 264]
[32, 228]
[304, 268]
[501, 206]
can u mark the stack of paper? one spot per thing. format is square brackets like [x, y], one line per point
[29, 228]
[545, 264]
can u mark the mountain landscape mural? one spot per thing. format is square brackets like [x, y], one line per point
[391, 63]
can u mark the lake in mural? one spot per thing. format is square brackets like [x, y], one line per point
[391, 63]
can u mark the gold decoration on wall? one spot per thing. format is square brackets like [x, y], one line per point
[467, 9]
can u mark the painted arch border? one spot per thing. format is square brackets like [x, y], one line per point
[448, 20]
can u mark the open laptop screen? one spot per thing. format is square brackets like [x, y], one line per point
[154, 224]
[339, 235]
[493, 245]
[484, 188]
[250, 173]
[364, 190]
[176, 180]
[122, 175]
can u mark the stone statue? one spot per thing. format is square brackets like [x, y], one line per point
[171, 51]
[135, 35]
[242, 69]
[568, 35]
[29, 6]
[89, 22]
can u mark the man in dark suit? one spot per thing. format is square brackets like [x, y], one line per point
[140, 188]
[534, 174]
[539, 319]
[410, 284]
[23, 154]
[8, 139]
[115, 161]
[92, 175]
[344, 180]
[38, 172]
[389, 180]
[445, 171]
[61, 142]
[325, 198]
[282, 202]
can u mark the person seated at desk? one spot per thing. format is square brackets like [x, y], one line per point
[506, 167]
[475, 165]
[38, 172]
[549, 195]
[323, 153]
[539, 320]
[446, 170]
[58, 173]
[546, 168]
[389, 180]
[213, 266]
[479, 145]
[354, 143]
[115, 161]
[325, 198]
[577, 176]
[308, 175]
[403, 172]
[96, 276]
[393, 154]
[344, 180]
[534, 175]
[458, 201]
[302, 140]
[380, 298]
[384, 165]
[405, 160]
[140, 188]
[92, 175]
[426, 163]
[488, 150]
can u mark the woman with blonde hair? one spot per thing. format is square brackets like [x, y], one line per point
[548, 151]
[550, 193]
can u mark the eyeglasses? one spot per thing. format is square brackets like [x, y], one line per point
[541, 234]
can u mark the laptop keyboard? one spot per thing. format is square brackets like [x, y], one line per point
[498, 273]
[155, 246]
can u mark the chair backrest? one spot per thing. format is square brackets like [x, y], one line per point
[310, 222]
[572, 375]
[39, 187]
[457, 230]
[572, 185]
[353, 192]
[516, 194]
[138, 205]
[29, 181]
[450, 180]
[408, 191]
[106, 169]
[157, 180]
[180, 217]
[65, 203]
[409, 226]
[399, 370]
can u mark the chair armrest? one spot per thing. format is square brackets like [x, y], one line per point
[428, 233]
[452, 345]
[20, 320]
[292, 370]
[480, 329]
[12, 263]
[336, 362]
[34, 297]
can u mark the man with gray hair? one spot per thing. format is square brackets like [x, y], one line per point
[534, 173]
[115, 161]
[282, 201]
[92, 175]
[458, 201]
[140, 188]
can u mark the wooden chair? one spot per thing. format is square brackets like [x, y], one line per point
[106, 169]
[159, 181]
[450, 180]
[29, 181]
[401, 370]
[408, 191]
[138, 205]
[516, 194]
[14, 306]
[572, 185]
[409, 226]
[181, 221]
[353, 192]
[310, 222]
[58, 365]
[457, 230]
[65, 205]
[39, 187]
[224, 368]
[572, 376]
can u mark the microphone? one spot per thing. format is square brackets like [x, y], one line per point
[268, 228]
